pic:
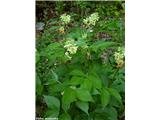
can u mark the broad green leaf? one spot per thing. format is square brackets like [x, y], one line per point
[87, 84]
[77, 73]
[108, 113]
[105, 97]
[84, 95]
[101, 45]
[96, 81]
[52, 113]
[119, 85]
[52, 102]
[76, 80]
[55, 76]
[115, 93]
[65, 116]
[53, 46]
[95, 92]
[52, 51]
[84, 106]
[52, 78]
[68, 97]
[80, 43]
[112, 113]
[54, 88]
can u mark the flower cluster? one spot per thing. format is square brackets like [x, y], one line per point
[71, 48]
[91, 20]
[65, 18]
[119, 57]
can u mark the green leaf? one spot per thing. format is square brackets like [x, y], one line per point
[52, 78]
[37, 56]
[119, 85]
[77, 73]
[80, 43]
[39, 86]
[84, 106]
[51, 113]
[52, 51]
[54, 28]
[112, 113]
[101, 45]
[67, 98]
[105, 97]
[97, 83]
[55, 88]
[52, 102]
[115, 93]
[65, 116]
[76, 80]
[84, 95]
[87, 84]
[108, 113]
[95, 92]
[55, 76]
[53, 46]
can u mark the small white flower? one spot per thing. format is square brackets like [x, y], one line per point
[65, 18]
[91, 31]
[91, 20]
[85, 21]
[67, 54]
[71, 48]
[119, 56]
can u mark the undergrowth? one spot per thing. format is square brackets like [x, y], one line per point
[80, 61]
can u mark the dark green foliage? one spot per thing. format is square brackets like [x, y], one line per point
[87, 84]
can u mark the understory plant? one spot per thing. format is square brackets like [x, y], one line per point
[79, 76]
